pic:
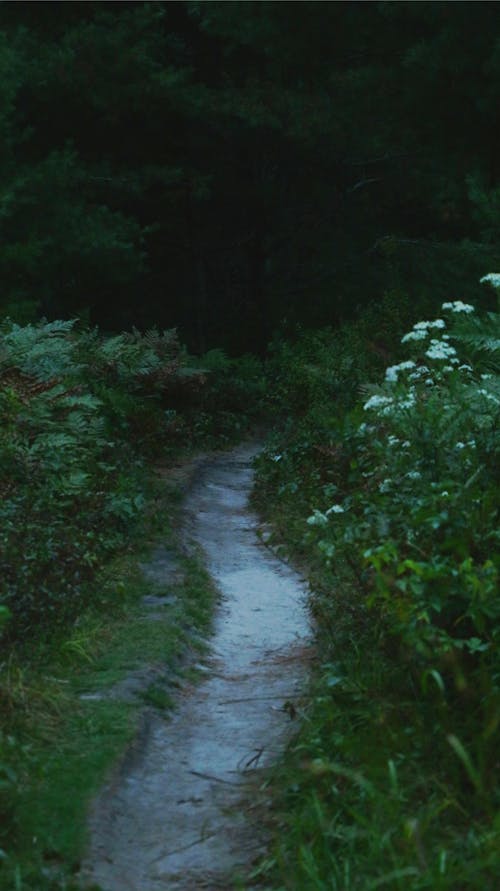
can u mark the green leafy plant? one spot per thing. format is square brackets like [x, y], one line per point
[391, 498]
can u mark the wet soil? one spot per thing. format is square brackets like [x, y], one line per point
[184, 811]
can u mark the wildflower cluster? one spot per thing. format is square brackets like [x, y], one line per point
[419, 505]
[458, 306]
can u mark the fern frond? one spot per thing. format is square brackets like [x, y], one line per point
[481, 337]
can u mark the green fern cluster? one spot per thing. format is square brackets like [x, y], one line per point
[481, 336]
[77, 414]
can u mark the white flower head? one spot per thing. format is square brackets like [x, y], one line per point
[419, 372]
[410, 400]
[317, 519]
[440, 350]
[392, 372]
[493, 278]
[488, 395]
[421, 330]
[378, 402]
[424, 326]
[414, 335]
[335, 509]
[458, 306]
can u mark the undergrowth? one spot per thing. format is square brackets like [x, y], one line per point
[389, 495]
[84, 420]
[68, 713]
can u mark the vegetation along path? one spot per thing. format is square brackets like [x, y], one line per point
[183, 814]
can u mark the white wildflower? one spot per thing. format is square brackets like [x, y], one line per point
[406, 444]
[392, 372]
[445, 494]
[277, 457]
[335, 509]
[410, 400]
[464, 367]
[423, 326]
[493, 278]
[317, 519]
[486, 377]
[385, 486]
[460, 445]
[421, 330]
[378, 402]
[458, 306]
[418, 373]
[414, 475]
[414, 335]
[488, 395]
[440, 350]
[392, 440]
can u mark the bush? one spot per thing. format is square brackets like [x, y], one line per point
[79, 414]
[391, 497]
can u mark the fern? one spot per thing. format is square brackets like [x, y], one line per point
[44, 351]
[481, 337]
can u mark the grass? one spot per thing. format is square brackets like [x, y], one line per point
[371, 795]
[59, 746]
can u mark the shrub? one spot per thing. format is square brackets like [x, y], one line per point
[79, 412]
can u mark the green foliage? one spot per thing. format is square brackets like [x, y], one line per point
[418, 506]
[234, 397]
[79, 414]
[392, 498]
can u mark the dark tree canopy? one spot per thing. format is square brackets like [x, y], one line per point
[230, 168]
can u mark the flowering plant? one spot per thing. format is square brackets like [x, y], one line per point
[419, 512]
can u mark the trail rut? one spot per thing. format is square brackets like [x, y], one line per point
[181, 815]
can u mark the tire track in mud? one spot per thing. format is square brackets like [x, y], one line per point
[181, 815]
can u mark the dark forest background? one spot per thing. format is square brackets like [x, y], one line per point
[240, 168]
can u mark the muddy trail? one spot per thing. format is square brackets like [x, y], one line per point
[183, 812]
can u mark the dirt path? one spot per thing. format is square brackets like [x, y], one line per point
[181, 814]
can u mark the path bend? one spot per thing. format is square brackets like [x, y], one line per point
[181, 816]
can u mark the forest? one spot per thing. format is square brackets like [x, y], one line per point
[223, 217]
